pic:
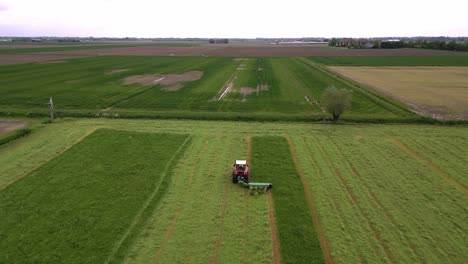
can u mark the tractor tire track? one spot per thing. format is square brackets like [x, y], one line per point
[172, 225]
[81, 138]
[167, 235]
[377, 235]
[449, 179]
[221, 224]
[353, 198]
[380, 206]
[312, 208]
[336, 204]
[276, 256]
[145, 205]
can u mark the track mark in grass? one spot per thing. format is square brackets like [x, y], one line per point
[336, 205]
[374, 230]
[77, 207]
[313, 209]
[87, 133]
[138, 217]
[276, 256]
[379, 204]
[221, 224]
[449, 179]
[167, 235]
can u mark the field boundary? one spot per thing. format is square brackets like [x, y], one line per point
[312, 207]
[449, 179]
[81, 138]
[388, 103]
[146, 204]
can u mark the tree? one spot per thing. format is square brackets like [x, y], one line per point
[336, 101]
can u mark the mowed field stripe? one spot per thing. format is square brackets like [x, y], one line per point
[221, 223]
[87, 133]
[449, 179]
[313, 209]
[137, 218]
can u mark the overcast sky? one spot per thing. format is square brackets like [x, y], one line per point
[235, 18]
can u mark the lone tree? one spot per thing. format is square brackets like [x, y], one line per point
[336, 101]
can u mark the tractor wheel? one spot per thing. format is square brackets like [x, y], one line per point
[235, 179]
[246, 178]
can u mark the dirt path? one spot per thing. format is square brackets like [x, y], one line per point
[89, 132]
[312, 208]
[431, 165]
[221, 224]
[11, 125]
[167, 235]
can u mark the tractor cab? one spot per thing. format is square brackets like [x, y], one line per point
[240, 171]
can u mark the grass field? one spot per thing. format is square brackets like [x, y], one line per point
[272, 161]
[393, 60]
[89, 46]
[263, 89]
[82, 205]
[440, 92]
[382, 193]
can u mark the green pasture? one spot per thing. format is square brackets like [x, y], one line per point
[285, 89]
[82, 205]
[87, 46]
[79, 190]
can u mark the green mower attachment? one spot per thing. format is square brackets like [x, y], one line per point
[257, 185]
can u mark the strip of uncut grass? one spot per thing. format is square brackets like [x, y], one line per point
[393, 60]
[272, 162]
[75, 208]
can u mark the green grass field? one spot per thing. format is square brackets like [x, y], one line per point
[393, 60]
[87, 46]
[383, 193]
[83, 205]
[271, 161]
[283, 89]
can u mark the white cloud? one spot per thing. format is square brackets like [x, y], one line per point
[241, 18]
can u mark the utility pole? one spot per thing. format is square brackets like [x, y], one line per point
[51, 106]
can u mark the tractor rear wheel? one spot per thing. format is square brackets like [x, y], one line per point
[235, 179]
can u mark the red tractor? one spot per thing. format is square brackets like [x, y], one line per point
[240, 172]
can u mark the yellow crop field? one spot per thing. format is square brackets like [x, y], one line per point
[440, 92]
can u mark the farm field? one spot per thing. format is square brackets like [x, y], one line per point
[380, 193]
[219, 88]
[439, 92]
[393, 60]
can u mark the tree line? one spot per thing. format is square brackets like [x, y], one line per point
[398, 44]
